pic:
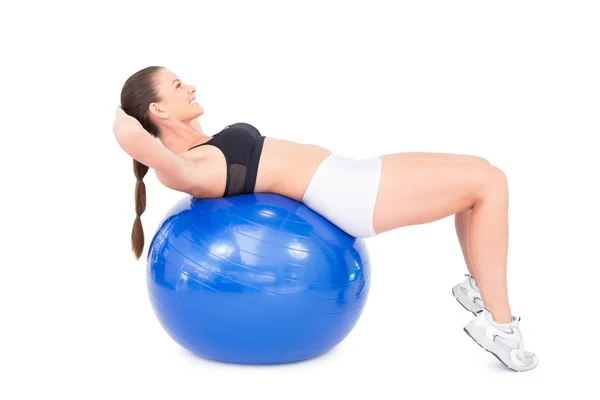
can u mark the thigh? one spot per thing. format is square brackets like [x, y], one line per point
[417, 191]
[441, 157]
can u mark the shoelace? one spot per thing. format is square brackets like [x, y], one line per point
[520, 348]
[521, 351]
[475, 298]
[521, 356]
[470, 277]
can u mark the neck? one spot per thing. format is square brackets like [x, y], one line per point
[181, 140]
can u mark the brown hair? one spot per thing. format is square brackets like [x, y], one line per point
[138, 92]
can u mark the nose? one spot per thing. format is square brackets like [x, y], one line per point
[192, 88]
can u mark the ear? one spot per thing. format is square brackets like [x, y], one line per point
[157, 111]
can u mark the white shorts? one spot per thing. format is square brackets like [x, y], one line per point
[344, 190]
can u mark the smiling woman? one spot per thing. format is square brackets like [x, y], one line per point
[363, 197]
[149, 93]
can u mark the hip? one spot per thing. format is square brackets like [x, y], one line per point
[344, 191]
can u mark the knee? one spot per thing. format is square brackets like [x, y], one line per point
[496, 180]
[498, 175]
[493, 185]
[480, 160]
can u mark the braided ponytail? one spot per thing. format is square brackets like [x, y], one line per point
[137, 233]
[139, 91]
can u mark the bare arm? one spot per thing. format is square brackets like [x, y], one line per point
[171, 170]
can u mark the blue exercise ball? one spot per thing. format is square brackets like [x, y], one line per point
[255, 279]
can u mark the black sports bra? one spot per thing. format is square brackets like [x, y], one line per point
[241, 144]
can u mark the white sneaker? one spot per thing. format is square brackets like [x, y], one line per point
[505, 341]
[467, 294]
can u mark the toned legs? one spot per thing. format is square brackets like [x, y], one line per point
[417, 188]
[461, 219]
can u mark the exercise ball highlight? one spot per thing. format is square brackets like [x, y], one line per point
[255, 279]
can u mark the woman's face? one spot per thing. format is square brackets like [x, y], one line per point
[178, 99]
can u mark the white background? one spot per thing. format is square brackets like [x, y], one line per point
[516, 82]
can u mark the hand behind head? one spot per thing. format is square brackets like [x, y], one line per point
[125, 122]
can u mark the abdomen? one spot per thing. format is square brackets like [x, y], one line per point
[286, 167]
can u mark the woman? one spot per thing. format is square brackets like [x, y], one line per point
[397, 190]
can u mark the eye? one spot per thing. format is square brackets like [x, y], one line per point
[179, 84]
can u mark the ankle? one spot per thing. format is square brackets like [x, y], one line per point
[500, 317]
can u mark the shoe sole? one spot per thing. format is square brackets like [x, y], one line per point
[460, 302]
[499, 359]
[495, 355]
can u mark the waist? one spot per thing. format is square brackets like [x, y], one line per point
[286, 168]
[275, 166]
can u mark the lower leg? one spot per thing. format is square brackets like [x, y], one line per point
[462, 220]
[488, 250]
[440, 189]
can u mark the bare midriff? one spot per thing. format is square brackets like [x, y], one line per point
[285, 168]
